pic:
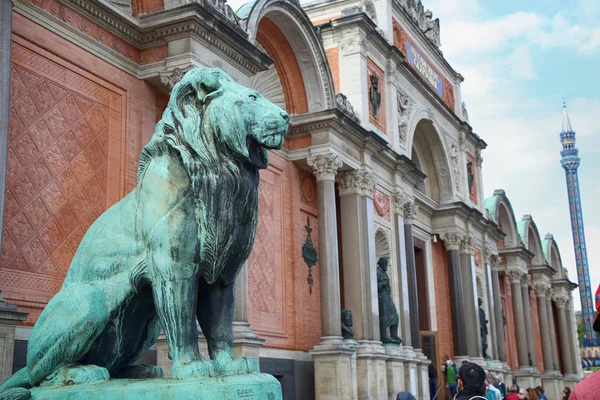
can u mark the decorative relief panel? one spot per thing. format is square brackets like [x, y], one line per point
[381, 203]
[266, 300]
[376, 93]
[60, 140]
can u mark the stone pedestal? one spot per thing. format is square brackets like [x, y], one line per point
[423, 379]
[246, 343]
[411, 377]
[247, 386]
[395, 370]
[9, 319]
[371, 371]
[335, 371]
[526, 377]
[553, 386]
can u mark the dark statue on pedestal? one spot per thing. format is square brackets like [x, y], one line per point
[388, 316]
[483, 330]
[347, 331]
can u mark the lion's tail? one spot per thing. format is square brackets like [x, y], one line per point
[16, 387]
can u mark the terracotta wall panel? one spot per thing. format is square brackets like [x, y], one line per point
[68, 159]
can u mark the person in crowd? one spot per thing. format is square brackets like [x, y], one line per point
[513, 393]
[541, 394]
[501, 386]
[492, 393]
[450, 372]
[433, 376]
[405, 396]
[589, 388]
[532, 394]
[567, 393]
[471, 382]
[523, 394]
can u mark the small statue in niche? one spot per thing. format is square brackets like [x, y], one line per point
[375, 96]
[347, 331]
[483, 330]
[470, 176]
[388, 315]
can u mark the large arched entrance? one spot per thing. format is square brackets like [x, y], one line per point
[430, 157]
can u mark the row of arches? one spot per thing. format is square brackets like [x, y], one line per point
[524, 233]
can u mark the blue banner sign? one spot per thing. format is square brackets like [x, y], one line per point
[420, 64]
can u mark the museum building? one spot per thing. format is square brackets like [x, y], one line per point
[380, 161]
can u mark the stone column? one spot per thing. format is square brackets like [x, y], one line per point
[245, 341]
[410, 212]
[494, 260]
[492, 305]
[528, 320]
[470, 305]
[360, 279]
[9, 319]
[550, 312]
[325, 168]
[358, 246]
[5, 53]
[517, 298]
[452, 240]
[541, 291]
[565, 345]
[405, 321]
[334, 360]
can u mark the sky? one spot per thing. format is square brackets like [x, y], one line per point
[519, 59]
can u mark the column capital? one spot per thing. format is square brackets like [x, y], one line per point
[515, 276]
[410, 212]
[452, 240]
[398, 200]
[490, 256]
[561, 300]
[542, 289]
[525, 281]
[468, 245]
[325, 166]
[359, 181]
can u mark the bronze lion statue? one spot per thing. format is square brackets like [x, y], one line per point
[167, 254]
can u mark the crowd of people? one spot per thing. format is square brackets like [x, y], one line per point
[473, 382]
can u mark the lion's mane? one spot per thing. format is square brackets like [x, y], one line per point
[211, 143]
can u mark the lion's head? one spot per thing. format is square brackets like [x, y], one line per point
[209, 114]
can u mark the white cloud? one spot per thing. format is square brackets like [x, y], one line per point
[520, 63]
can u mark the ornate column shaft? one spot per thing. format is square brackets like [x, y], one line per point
[494, 260]
[5, 53]
[398, 200]
[453, 240]
[565, 345]
[325, 168]
[410, 212]
[358, 247]
[553, 341]
[492, 305]
[517, 298]
[542, 291]
[528, 321]
[470, 305]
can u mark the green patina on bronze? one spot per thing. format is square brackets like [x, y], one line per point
[168, 253]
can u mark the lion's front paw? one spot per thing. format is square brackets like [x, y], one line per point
[237, 366]
[195, 369]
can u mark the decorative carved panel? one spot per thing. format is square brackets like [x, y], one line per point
[381, 203]
[265, 266]
[62, 133]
